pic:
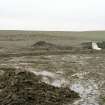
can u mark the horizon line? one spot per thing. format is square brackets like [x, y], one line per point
[53, 30]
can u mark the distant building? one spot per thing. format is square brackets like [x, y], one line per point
[95, 46]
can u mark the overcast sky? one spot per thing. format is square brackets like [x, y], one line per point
[64, 15]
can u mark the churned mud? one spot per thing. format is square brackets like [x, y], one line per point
[25, 88]
[82, 73]
[44, 74]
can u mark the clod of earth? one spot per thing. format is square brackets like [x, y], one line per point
[25, 88]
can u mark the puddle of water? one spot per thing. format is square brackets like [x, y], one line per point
[56, 83]
[88, 91]
[61, 82]
[55, 79]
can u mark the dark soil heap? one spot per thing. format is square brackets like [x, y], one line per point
[25, 88]
[45, 46]
[87, 45]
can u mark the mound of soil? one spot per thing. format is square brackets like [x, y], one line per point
[45, 46]
[87, 45]
[25, 88]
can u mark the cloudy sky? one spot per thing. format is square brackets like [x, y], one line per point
[59, 15]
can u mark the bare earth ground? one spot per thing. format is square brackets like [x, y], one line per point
[83, 73]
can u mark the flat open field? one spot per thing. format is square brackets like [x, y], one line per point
[83, 73]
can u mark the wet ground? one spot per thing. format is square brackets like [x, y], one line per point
[83, 73]
[80, 70]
